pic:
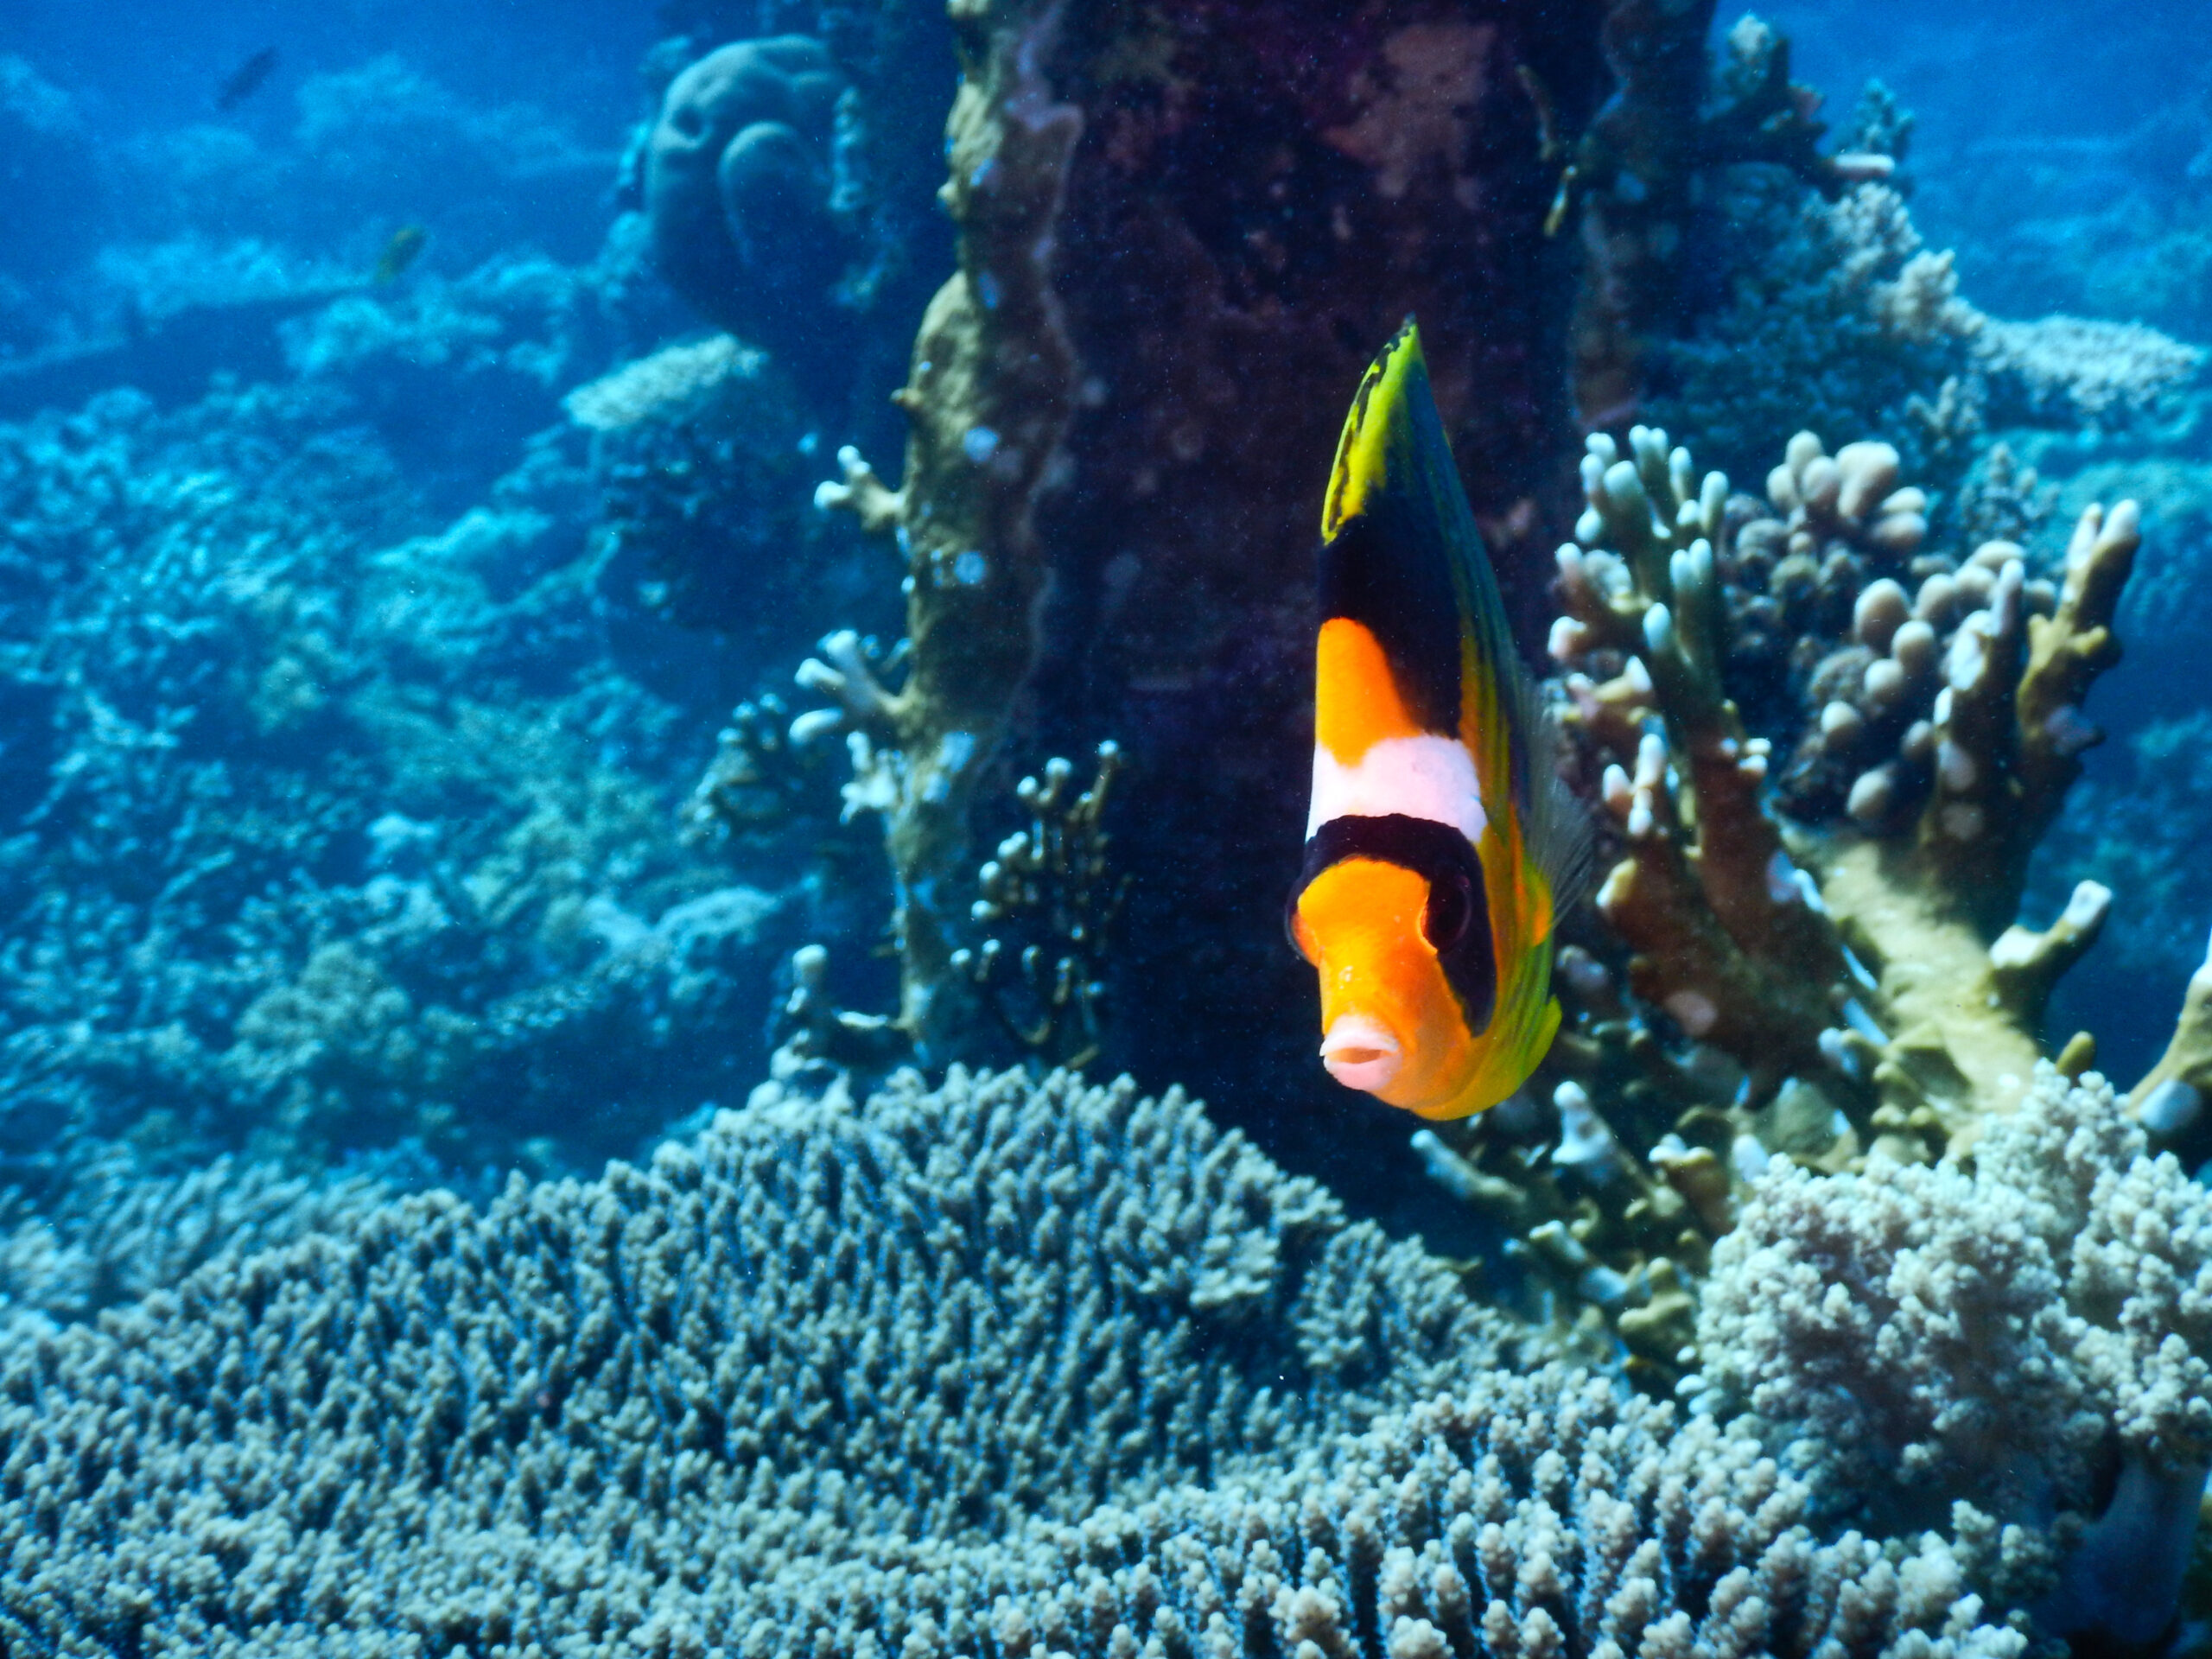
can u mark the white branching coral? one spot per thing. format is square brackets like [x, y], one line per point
[2002, 1326]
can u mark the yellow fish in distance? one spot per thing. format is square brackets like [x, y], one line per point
[1439, 843]
[399, 253]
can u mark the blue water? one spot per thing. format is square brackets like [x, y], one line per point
[394, 509]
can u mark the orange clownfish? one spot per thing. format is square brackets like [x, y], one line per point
[1440, 844]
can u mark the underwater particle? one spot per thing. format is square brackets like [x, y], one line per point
[979, 444]
[970, 568]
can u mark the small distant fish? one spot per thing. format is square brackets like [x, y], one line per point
[399, 253]
[246, 79]
[1440, 844]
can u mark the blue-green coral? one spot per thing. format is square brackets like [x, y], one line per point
[999, 1369]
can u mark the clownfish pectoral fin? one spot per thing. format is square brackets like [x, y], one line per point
[1402, 558]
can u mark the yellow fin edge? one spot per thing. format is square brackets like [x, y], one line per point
[1359, 463]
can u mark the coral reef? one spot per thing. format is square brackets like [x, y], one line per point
[1639, 168]
[327, 826]
[2111, 221]
[1165, 223]
[1536, 1515]
[2029, 1334]
[1050, 897]
[352, 683]
[370, 147]
[1816, 955]
[1944, 724]
[999, 1366]
[2170, 1101]
[118, 1234]
[1833, 313]
[703, 459]
[988, 399]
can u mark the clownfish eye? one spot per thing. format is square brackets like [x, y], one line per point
[1450, 908]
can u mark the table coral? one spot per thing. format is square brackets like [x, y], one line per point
[773, 1375]
[960, 1372]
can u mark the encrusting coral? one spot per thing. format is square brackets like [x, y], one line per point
[965, 1372]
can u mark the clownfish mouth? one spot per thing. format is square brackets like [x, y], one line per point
[1360, 1053]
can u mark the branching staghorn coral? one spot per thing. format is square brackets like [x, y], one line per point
[1945, 723]
[978, 1371]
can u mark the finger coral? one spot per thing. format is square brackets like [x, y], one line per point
[1827, 745]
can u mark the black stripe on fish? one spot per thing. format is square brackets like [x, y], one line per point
[1389, 571]
[1457, 921]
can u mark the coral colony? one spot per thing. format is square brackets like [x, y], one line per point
[501, 1156]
